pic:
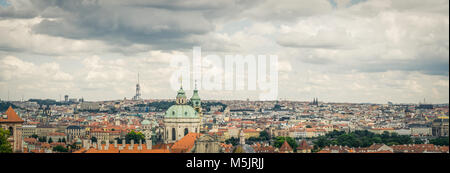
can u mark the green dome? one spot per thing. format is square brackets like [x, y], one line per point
[145, 122]
[181, 111]
[195, 96]
[181, 93]
[154, 123]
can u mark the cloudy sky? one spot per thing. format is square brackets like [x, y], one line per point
[337, 50]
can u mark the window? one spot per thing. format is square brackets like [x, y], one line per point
[186, 131]
[173, 134]
[11, 131]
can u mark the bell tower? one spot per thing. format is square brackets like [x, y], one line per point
[196, 101]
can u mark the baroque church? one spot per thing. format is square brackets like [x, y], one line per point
[182, 118]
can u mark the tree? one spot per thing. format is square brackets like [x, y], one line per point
[280, 140]
[134, 136]
[93, 139]
[5, 146]
[60, 149]
[233, 141]
[263, 135]
[321, 142]
[35, 136]
[50, 140]
[361, 138]
[441, 141]
[418, 141]
[63, 140]
[119, 141]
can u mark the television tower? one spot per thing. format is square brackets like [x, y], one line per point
[138, 91]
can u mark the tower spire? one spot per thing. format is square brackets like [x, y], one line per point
[138, 90]
[181, 82]
[195, 85]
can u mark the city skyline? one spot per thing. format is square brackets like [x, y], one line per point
[367, 52]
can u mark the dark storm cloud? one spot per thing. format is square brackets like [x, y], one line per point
[429, 65]
[124, 25]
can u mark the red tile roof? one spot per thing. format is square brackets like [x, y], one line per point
[285, 147]
[12, 116]
[186, 143]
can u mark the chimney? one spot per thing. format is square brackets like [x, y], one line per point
[131, 145]
[107, 145]
[99, 145]
[149, 144]
[115, 143]
[86, 144]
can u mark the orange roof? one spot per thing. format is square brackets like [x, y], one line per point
[285, 147]
[56, 134]
[250, 130]
[186, 143]
[12, 116]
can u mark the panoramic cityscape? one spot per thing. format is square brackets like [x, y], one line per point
[189, 124]
[224, 76]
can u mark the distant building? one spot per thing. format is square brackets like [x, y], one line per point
[66, 98]
[440, 127]
[286, 148]
[425, 106]
[304, 147]
[90, 106]
[207, 144]
[28, 130]
[44, 130]
[420, 130]
[75, 132]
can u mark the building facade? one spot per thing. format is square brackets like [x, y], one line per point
[13, 123]
[440, 127]
[180, 119]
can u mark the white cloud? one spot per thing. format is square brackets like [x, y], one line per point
[371, 51]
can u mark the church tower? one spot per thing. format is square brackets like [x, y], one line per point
[180, 119]
[241, 137]
[181, 97]
[196, 101]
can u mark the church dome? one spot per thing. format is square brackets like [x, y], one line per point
[181, 93]
[181, 111]
[145, 122]
[195, 96]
